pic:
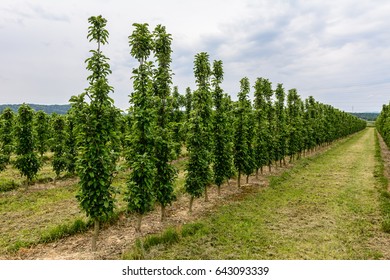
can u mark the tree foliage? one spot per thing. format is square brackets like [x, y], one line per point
[294, 123]
[59, 137]
[281, 126]
[199, 145]
[383, 123]
[95, 132]
[311, 115]
[269, 111]
[6, 137]
[140, 196]
[188, 103]
[177, 118]
[70, 143]
[26, 161]
[222, 148]
[243, 159]
[42, 130]
[261, 125]
[165, 172]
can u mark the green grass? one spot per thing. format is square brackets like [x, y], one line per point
[325, 207]
[8, 185]
[10, 178]
[153, 243]
[54, 233]
[29, 216]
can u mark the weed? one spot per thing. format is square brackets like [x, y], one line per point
[192, 229]
[8, 186]
[18, 245]
[61, 231]
[142, 246]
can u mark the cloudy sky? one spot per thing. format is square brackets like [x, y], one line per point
[337, 51]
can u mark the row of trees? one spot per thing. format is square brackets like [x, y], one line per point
[383, 123]
[242, 137]
[29, 135]
[223, 138]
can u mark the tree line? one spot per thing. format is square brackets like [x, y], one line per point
[49, 109]
[366, 116]
[223, 138]
[29, 135]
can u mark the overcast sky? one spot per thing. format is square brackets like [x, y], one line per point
[337, 51]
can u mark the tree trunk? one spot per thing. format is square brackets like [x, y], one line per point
[95, 234]
[206, 197]
[247, 179]
[284, 161]
[269, 168]
[219, 190]
[162, 213]
[261, 170]
[239, 179]
[257, 174]
[139, 221]
[191, 202]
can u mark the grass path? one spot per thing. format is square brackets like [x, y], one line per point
[326, 207]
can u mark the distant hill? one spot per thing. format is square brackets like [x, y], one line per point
[366, 116]
[49, 109]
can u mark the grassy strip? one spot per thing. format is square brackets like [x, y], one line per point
[383, 182]
[6, 186]
[63, 230]
[145, 246]
[53, 234]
